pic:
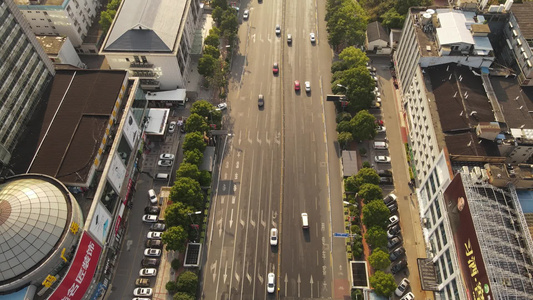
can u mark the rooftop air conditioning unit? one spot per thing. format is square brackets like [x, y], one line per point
[519, 42]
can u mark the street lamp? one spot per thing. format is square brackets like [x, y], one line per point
[192, 222]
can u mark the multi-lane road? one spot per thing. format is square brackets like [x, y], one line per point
[277, 163]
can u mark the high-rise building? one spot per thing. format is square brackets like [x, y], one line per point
[25, 72]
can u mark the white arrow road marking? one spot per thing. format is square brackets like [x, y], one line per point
[253, 38]
[267, 139]
[260, 278]
[257, 138]
[222, 198]
[231, 219]
[251, 220]
[219, 224]
[340, 270]
[249, 277]
[236, 176]
[226, 272]
[234, 187]
[240, 133]
[262, 221]
[248, 137]
[237, 277]
[224, 187]
[237, 164]
[225, 177]
[299, 281]
[233, 200]
[277, 138]
[213, 269]
[241, 220]
[311, 282]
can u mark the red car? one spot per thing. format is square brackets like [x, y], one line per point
[275, 68]
[380, 122]
[296, 85]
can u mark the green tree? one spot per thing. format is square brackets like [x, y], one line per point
[392, 19]
[207, 65]
[402, 6]
[171, 287]
[188, 282]
[175, 238]
[379, 260]
[344, 126]
[182, 296]
[356, 84]
[196, 123]
[215, 31]
[194, 140]
[364, 125]
[176, 214]
[376, 213]
[113, 5]
[194, 156]
[344, 139]
[369, 192]
[213, 51]
[219, 3]
[376, 237]
[383, 283]
[106, 18]
[343, 116]
[351, 185]
[188, 191]
[212, 40]
[175, 264]
[219, 76]
[352, 57]
[205, 178]
[366, 175]
[207, 110]
[217, 15]
[188, 170]
[229, 24]
[346, 24]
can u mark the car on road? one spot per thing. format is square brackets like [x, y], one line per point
[408, 296]
[307, 86]
[382, 159]
[167, 156]
[153, 235]
[143, 292]
[385, 173]
[152, 252]
[390, 198]
[275, 68]
[153, 244]
[386, 180]
[164, 163]
[144, 282]
[148, 272]
[171, 127]
[393, 207]
[289, 38]
[261, 100]
[158, 227]
[150, 262]
[150, 218]
[246, 14]
[397, 253]
[273, 237]
[278, 30]
[271, 283]
[312, 37]
[222, 106]
[296, 85]
[393, 231]
[152, 210]
[394, 242]
[393, 220]
[402, 287]
[396, 268]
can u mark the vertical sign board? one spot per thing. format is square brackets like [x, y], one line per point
[81, 271]
[474, 274]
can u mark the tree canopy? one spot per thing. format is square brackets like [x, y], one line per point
[364, 125]
[379, 259]
[344, 138]
[194, 140]
[177, 213]
[188, 170]
[193, 156]
[188, 191]
[213, 51]
[175, 238]
[346, 23]
[383, 283]
[212, 40]
[207, 65]
[376, 213]
[370, 191]
[188, 282]
[376, 237]
[196, 123]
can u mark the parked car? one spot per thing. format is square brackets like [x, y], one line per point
[144, 282]
[153, 244]
[150, 218]
[153, 235]
[222, 106]
[246, 14]
[397, 253]
[261, 100]
[408, 296]
[386, 180]
[402, 287]
[393, 231]
[148, 272]
[393, 207]
[158, 227]
[150, 262]
[385, 173]
[164, 163]
[143, 292]
[275, 68]
[152, 210]
[396, 268]
[394, 242]
[171, 127]
[393, 220]
[152, 252]
[382, 159]
[167, 156]
[390, 198]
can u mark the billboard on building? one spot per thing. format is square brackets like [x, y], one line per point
[100, 223]
[474, 274]
[78, 278]
[117, 173]
[131, 130]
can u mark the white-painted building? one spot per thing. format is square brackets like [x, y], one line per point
[60, 50]
[71, 18]
[152, 40]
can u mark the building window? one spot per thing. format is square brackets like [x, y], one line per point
[143, 58]
[437, 208]
[448, 259]
[444, 272]
[437, 237]
[455, 289]
[136, 59]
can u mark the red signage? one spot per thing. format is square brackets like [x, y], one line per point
[80, 274]
[474, 274]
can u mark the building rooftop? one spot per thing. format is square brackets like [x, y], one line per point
[51, 44]
[375, 32]
[146, 26]
[74, 123]
[524, 18]
[41, 2]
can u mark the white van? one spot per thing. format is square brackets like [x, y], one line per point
[161, 176]
[305, 222]
[380, 145]
[152, 196]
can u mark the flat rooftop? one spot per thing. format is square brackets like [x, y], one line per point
[42, 2]
[524, 18]
[74, 121]
[51, 44]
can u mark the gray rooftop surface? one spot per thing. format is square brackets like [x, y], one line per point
[523, 13]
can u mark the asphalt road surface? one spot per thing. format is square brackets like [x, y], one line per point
[277, 163]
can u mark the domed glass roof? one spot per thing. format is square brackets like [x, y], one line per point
[33, 215]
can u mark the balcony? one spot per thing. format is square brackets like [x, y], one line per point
[150, 84]
[143, 74]
[140, 65]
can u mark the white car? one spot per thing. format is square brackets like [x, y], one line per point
[150, 218]
[382, 159]
[245, 14]
[307, 85]
[152, 252]
[273, 237]
[402, 287]
[153, 235]
[148, 272]
[378, 99]
[271, 283]
[164, 163]
[143, 292]
[167, 156]
[222, 106]
[312, 37]
[171, 127]
[393, 220]
[278, 30]
[141, 298]
[408, 296]
[381, 128]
